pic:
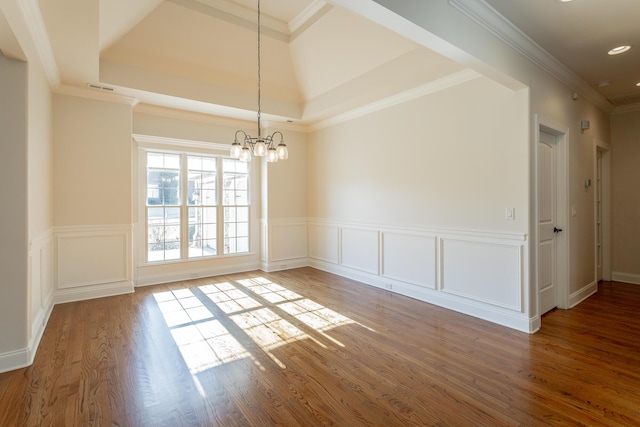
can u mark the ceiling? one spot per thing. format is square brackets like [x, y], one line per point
[580, 33]
[319, 59]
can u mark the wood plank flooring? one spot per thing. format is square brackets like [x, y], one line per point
[308, 348]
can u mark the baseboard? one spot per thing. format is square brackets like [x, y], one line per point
[286, 264]
[484, 311]
[158, 279]
[93, 291]
[581, 295]
[22, 358]
[625, 277]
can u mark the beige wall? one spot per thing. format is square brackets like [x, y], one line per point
[287, 180]
[453, 159]
[625, 139]
[92, 158]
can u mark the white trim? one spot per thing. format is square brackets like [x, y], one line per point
[632, 278]
[605, 221]
[93, 291]
[35, 23]
[95, 94]
[562, 211]
[306, 15]
[428, 231]
[584, 293]
[151, 141]
[288, 264]
[623, 109]
[402, 97]
[491, 20]
[504, 317]
[190, 274]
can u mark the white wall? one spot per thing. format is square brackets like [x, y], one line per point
[625, 140]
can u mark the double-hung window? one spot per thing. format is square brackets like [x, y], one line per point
[196, 206]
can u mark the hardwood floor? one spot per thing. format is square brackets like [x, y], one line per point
[307, 348]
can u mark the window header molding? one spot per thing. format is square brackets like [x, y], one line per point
[152, 141]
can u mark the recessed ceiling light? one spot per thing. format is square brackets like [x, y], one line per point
[564, 1]
[604, 83]
[638, 84]
[620, 49]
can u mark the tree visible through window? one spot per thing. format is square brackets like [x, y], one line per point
[195, 199]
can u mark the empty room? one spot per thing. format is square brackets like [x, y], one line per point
[319, 212]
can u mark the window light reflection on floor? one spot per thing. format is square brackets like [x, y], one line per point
[254, 309]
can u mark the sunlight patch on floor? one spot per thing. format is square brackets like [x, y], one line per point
[210, 323]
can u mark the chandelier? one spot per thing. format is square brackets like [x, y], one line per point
[259, 146]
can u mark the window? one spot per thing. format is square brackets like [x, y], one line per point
[191, 200]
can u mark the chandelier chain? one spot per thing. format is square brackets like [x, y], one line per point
[259, 76]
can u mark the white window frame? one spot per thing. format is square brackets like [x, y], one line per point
[147, 144]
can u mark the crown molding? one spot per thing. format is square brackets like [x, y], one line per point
[306, 15]
[30, 10]
[491, 20]
[96, 94]
[623, 109]
[420, 91]
[240, 15]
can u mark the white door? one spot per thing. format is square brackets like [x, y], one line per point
[547, 220]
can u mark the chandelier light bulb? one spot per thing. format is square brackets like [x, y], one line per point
[245, 156]
[260, 149]
[283, 153]
[236, 150]
[272, 156]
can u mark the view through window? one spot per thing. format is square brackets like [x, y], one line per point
[192, 201]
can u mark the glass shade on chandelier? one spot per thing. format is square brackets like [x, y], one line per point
[259, 147]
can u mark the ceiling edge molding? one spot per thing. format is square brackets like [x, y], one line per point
[491, 20]
[33, 17]
[238, 15]
[95, 94]
[306, 15]
[402, 97]
[202, 117]
[626, 109]
[293, 127]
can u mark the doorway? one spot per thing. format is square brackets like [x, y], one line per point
[552, 225]
[602, 211]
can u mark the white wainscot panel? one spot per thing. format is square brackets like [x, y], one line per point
[409, 258]
[360, 249]
[91, 259]
[487, 272]
[288, 242]
[324, 242]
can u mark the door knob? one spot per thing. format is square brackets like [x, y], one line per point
[557, 230]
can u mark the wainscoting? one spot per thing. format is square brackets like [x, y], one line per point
[284, 243]
[92, 262]
[476, 273]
